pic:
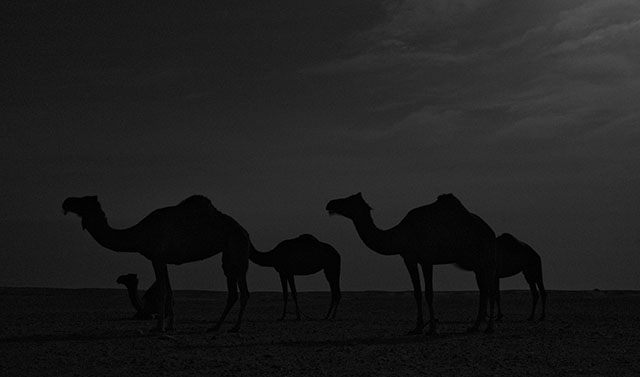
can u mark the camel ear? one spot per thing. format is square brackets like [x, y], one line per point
[94, 198]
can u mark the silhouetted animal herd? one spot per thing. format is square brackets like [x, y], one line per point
[442, 232]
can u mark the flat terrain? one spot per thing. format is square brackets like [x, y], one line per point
[54, 332]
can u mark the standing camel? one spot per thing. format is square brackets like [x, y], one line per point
[147, 306]
[190, 231]
[304, 255]
[442, 232]
[513, 257]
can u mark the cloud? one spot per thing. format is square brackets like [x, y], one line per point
[536, 128]
[414, 17]
[594, 15]
[404, 40]
[429, 125]
[599, 38]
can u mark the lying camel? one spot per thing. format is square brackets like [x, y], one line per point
[146, 307]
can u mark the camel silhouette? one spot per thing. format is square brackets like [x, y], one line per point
[513, 257]
[147, 306]
[442, 232]
[303, 255]
[190, 231]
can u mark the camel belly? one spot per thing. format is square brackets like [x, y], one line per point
[301, 270]
[184, 251]
[302, 263]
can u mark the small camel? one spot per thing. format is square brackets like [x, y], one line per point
[147, 306]
[513, 257]
[304, 255]
[442, 232]
[190, 231]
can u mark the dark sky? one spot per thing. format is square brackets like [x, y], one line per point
[526, 110]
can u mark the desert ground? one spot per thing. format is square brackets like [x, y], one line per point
[86, 332]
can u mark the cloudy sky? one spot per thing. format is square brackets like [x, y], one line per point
[526, 110]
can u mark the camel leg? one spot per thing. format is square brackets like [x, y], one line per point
[412, 267]
[162, 276]
[537, 279]
[543, 296]
[482, 309]
[427, 271]
[492, 284]
[533, 275]
[169, 305]
[334, 285]
[285, 296]
[294, 294]
[534, 300]
[244, 297]
[499, 316]
[232, 297]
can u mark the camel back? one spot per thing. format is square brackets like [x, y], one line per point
[197, 202]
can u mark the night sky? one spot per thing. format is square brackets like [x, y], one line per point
[526, 110]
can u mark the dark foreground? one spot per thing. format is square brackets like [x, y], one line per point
[51, 332]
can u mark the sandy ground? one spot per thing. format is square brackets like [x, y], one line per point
[52, 332]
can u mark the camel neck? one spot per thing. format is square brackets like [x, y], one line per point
[261, 258]
[120, 240]
[375, 238]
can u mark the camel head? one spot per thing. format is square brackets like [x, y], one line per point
[86, 207]
[128, 279]
[349, 207]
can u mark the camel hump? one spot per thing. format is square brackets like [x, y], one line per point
[507, 237]
[450, 201]
[509, 240]
[307, 237]
[197, 202]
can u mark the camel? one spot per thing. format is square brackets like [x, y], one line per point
[442, 232]
[191, 231]
[303, 255]
[147, 307]
[513, 257]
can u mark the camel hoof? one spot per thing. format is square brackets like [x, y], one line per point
[416, 331]
[156, 330]
[541, 318]
[530, 319]
[234, 329]
[489, 330]
[280, 319]
[213, 329]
